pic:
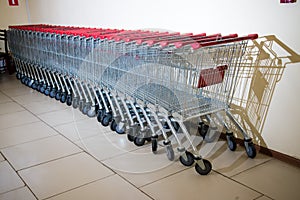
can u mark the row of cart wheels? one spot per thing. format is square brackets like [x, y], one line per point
[202, 166]
[47, 90]
[231, 141]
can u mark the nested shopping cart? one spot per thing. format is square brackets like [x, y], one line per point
[143, 83]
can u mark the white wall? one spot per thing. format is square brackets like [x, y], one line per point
[267, 17]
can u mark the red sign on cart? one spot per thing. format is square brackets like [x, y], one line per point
[13, 2]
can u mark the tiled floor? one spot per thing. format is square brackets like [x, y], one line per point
[51, 151]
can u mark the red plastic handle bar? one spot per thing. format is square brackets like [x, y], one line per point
[155, 37]
[204, 39]
[181, 40]
[224, 41]
[171, 37]
[152, 39]
[147, 36]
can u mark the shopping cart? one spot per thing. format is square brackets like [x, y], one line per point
[146, 84]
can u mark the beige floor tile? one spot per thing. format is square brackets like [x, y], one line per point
[9, 179]
[4, 98]
[24, 133]
[10, 107]
[39, 151]
[141, 179]
[107, 145]
[141, 160]
[16, 119]
[8, 82]
[274, 178]
[230, 163]
[30, 97]
[263, 198]
[102, 189]
[40, 107]
[17, 91]
[189, 185]
[62, 116]
[19, 194]
[81, 129]
[58, 176]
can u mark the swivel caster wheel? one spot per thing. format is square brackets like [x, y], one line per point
[58, 95]
[52, 93]
[154, 145]
[113, 125]
[231, 143]
[106, 119]
[69, 100]
[120, 129]
[63, 97]
[100, 115]
[81, 104]
[139, 141]
[86, 108]
[170, 152]
[75, 102]
[130, 137]
[203, 167]
[92, 112]
[42, 89]
[187, 159]
[250, 148]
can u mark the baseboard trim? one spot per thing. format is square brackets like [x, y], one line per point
[266, 151]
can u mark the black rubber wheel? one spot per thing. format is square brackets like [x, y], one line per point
[130, 137]
[231, 143]
[75, 102]
[26, 81]
[23, 79]
[170, 152]
[250, 150]
[42, 89]
[202, 129]
[38, 87]
[47, 92]
[106, 119]
[113, 125]
[30, 82]
[63, 98]
[206, 170]
[52, 93]
[69, 100]
[34, 85]
[154, 145]
[92, 112]
[120, 130]
[85, 109]
[189, 157]
[139, 141]
[58, 96]
[81, 104]
[100, 115]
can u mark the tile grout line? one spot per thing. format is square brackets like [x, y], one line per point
[263, 196]
[33, 140]
[174, 173]
[42, 163]
[240, 183]
[17, 188]
[85, 184]
[25, 184]
[250, 168]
